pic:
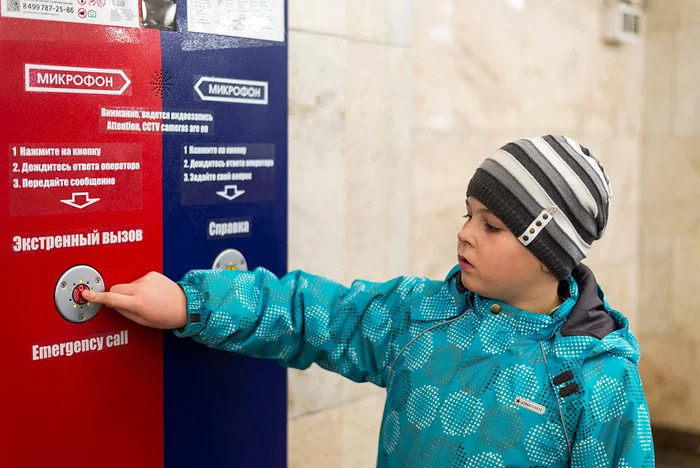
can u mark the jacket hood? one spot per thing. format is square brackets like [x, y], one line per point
[589, 316]
[593, 316]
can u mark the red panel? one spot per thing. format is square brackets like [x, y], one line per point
[104, 407]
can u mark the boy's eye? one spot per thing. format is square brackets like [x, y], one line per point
[489, 227]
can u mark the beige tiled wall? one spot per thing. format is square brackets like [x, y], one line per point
[393, 104]
[350, 193]
[670, 233]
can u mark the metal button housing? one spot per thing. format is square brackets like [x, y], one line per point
[230, 259]
[68, 298]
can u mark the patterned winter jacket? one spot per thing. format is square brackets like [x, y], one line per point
[471, 382]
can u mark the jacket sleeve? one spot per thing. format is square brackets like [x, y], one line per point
[614, 429]
[300, 319]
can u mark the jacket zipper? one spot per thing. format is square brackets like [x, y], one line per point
[391, 370]
[561, 413]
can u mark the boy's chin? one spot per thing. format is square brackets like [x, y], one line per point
[470, 283]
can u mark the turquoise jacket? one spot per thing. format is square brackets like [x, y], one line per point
[471, 382]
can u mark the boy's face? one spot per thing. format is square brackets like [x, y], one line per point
[493, 261]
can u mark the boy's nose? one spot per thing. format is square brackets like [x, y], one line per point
[464, 235]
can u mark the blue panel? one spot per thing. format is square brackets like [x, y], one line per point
[222, 409]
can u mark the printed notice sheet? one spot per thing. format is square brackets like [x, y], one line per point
[254, 19]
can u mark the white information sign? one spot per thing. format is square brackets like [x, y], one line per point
[254, 19]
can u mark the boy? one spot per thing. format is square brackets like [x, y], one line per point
[515, 359]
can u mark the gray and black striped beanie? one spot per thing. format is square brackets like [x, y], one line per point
[552, 193]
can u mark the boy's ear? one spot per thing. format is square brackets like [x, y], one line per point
[544, 268]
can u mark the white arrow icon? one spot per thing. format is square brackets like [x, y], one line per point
[80, 200]
[230, 192]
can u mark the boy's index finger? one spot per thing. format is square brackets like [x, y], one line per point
[110, 299]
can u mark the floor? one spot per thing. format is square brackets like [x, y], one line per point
[668, 459]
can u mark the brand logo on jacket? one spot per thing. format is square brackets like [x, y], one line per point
[530, 405]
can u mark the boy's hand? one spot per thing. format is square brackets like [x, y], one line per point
[154, 301]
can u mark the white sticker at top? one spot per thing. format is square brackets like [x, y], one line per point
[104, 12]
[254, 19]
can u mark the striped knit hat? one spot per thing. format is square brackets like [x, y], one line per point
[549, 191]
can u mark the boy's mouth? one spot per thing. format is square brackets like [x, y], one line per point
[464, 264]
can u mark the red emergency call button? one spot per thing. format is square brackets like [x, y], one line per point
[78, 294]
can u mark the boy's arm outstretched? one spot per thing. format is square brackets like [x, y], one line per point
[297, 320]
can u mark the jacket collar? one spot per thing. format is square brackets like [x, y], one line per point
[583, 313]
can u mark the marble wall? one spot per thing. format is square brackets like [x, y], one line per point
[350, 114]
[393, 105]
[670, 232]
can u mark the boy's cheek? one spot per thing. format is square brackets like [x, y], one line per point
[510, 263]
